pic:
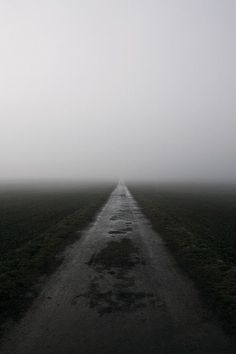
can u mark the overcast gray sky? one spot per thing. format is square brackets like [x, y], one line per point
[118, 88]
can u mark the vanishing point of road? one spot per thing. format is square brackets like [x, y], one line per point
[118, 291]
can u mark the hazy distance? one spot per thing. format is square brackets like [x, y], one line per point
[118, 89]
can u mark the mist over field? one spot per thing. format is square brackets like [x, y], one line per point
[140, 90]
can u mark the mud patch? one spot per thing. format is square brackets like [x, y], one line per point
[121, 255]
[116, 300]
[116, 262]
[120, 231]
[115, 232]
[121, 215]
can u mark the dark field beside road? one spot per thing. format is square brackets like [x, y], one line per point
[36, 223]
[199, 226]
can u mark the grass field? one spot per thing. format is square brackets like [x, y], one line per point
[199, 226]
[36, 223]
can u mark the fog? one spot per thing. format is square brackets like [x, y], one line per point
[109, 89]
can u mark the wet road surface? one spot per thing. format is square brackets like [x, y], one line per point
[118, 291]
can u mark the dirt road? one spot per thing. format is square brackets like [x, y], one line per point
[118, 291]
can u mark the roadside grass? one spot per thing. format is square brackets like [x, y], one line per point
[199, 226]
[35, 226]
